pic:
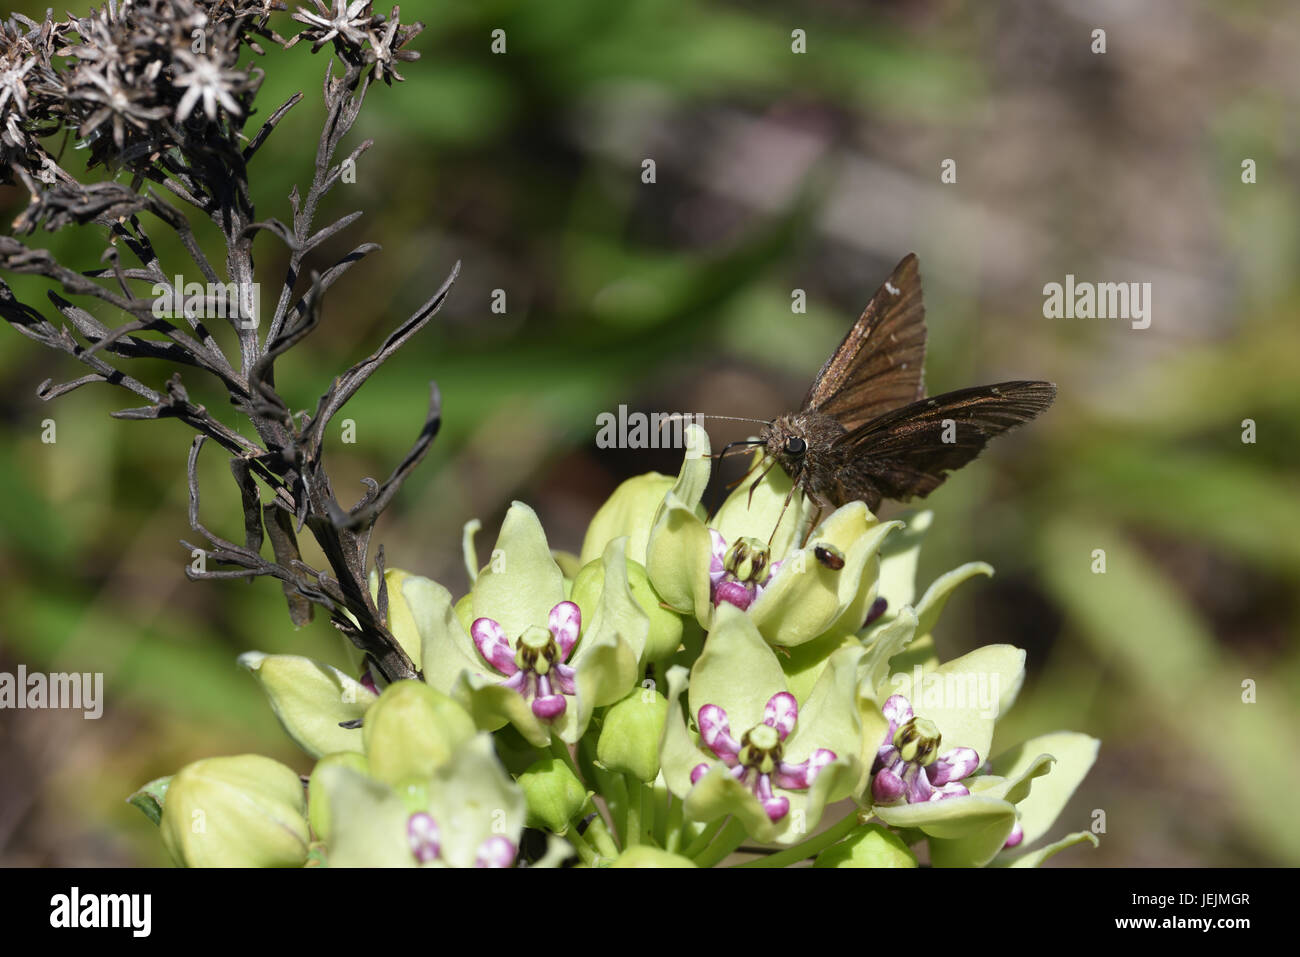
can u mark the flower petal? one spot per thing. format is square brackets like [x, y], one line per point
[522, 582]
[898, 710]
[964, 831]
[744, 515]
[311, 699]
[797, 777]
[776, 807]
[564, 678]
[606, 663]
[733, 593]
[949, 790]
[677, 559]
[491, 641]
[1015, 838]
[737, 670]
[953, 766]
[885, 757]
[716, 567]
[423, 837]
[411, 730]
[368, 821]
[964, 697]
[887, 787]
[781, 712]
[716, 734]
[565, 623]
[547, 707]
[805, 599]
[918, 784]
[496, 851]
[629, 511]
[474, 799]
[898, 558]
[1074, 755]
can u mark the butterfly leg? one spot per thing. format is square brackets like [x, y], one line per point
[817, 517]
[822, 505]
[748, 473]
[784, 506]
[726, 450]
[756, 481]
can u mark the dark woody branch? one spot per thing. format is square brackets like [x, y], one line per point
[178, 124]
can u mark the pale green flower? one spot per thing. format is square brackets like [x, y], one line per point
[759, 754]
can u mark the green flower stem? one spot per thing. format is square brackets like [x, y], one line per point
[648, 816]
[605, 783]
[599, 835]
[732, 836]
[634, 807]
[561, 751]
[703, 839]
[585, 852]
[673, 838]
[809, 848]
[586, 757]
[603, 839]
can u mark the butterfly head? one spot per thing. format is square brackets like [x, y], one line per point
[800, 442]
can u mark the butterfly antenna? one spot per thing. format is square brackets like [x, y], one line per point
[737, 418]
[674, 416]
[692, 416]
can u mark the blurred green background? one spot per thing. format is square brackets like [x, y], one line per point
[775, 171]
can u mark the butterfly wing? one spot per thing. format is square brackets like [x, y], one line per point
[877, 368]
[903, 453]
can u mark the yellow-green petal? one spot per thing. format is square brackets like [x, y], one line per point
[311, 699]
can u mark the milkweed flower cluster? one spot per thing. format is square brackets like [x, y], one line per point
[619, 708]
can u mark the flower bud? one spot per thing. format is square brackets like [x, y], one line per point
[244, 811]
[411, 730]
[629, 738]
[318, 808]
[870, 846]
[401, 616]
[665, 634]
[643, 855]
[464, 609]
[629, 511]
[312, 700]
[555, 797]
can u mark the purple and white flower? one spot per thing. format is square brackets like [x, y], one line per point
[908, 767]
[534, 664]
[757, 759]
[1016, 836]
[424, 837]
[739, 574]
[496, 851]
[425, 840]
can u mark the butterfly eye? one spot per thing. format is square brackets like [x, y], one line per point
[795, 445]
